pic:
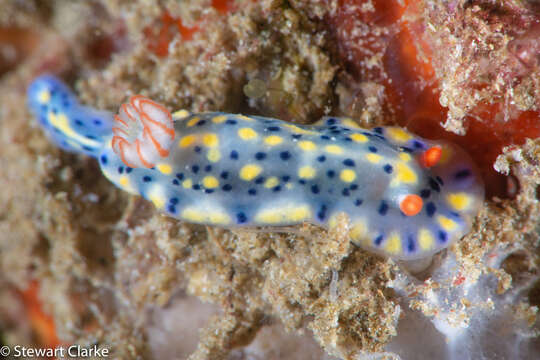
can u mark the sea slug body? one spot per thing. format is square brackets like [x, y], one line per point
[405, 197]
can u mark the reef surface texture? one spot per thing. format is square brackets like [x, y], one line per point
[84, 263]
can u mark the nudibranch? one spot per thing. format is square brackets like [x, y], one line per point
[405, 197]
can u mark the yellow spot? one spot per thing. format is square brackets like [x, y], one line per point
[164, 168]
[126, 184]
[193, 121]
[393, 244]
[334, 149]
[205, 217]
[193, 215]
[289, 186]
[219, 119]
[307, 145]
[249, 172]
[213, 155]
[243, 117]
[210, 182]
[180, 114]
[358, 231]
[155, 195]
[425, 239]
[271, 182]
[299, 130]
[210, 140]
[61, 122]
[446, 223]
[405, 157]
[373, 158]
[284, 215]
[404, 174]
[247, 133]
[187, 184]
[187, 141]
[307, 172]
[44, 96]
[273, 140]
[398, 134]
[359, 138]
[350, 123]
[446, 154]
[459, 201]
[347, 175]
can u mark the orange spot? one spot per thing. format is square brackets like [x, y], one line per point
[431, 156]
[411, 204]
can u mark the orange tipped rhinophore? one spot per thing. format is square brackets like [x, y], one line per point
[143, 132]
[431, 156]
[411, 204]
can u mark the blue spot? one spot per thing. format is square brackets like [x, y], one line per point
[430, 209]
[78, 122]
[180, 176]
[378, 240]
[348, 139]
[196, 187]
[406, 149]
[97, 122]
[201, 122]
[353, 187]
[321, 158]
[325, 137]
[54, 110]
[330, 173]
[195, 169]
[345, 192]
[241, 218]
[234, 155]
[227, 187]
[383, 208]
[146, 179]
[378, 130]
[388, 168]
[296, 136]
[174, 201]
[417, 144]
[303, 182]
[286, 178]
[462, 174]
[260, 156]
[425, 193]
[259, 180]
[224, 175]
[208, 191]
[315, 189]
[252, 192]
[197, 149]
[276, 189]
[176, 182]
[331, 121]
[285, 155]
[358, 202]
[273, 128]
[411, 244]
[120, 169]
[172, 209]
[442, 236]
[128, 170]
[103, 159]
[321, 214]
[434, 185]
[231, 122]
[348, 162]
[372, 149]
[208, 168]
